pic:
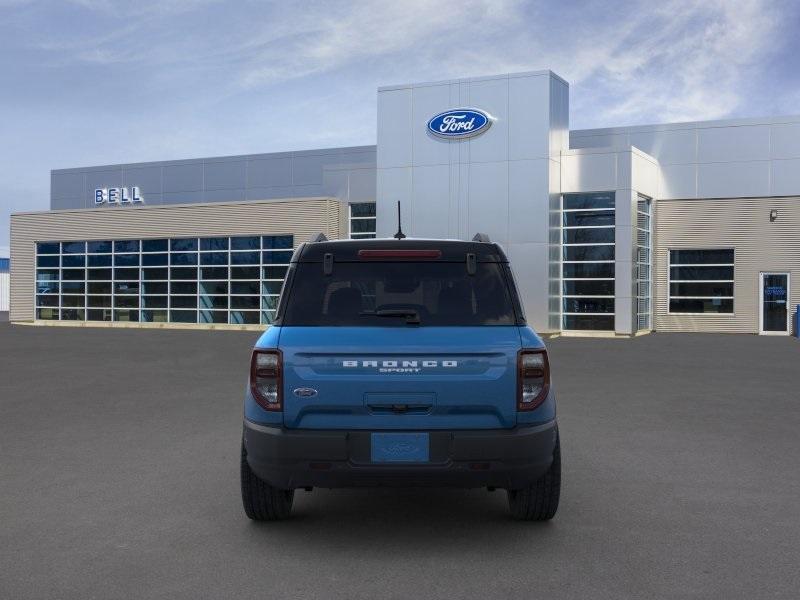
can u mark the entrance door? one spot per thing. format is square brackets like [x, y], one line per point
[774, 296]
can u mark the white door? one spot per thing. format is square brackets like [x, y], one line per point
[774, 312]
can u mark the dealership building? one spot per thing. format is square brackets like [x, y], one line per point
[617, 231]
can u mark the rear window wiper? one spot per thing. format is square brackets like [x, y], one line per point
[411, 315]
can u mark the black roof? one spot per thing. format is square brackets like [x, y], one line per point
[347, 250]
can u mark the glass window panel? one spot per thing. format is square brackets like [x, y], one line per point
[216, 243]
[47, 300]
[98, 314]
[126, 245]
[73, 301]
[154, 245]
[276, 242]
[588, 218]
[155, 301]
[362, 236]
[701, 289]
[591, 200]
[155, 274]
[214, 258]
[244, 287]
[154, 287]
[584, 270]
[588, 253]
[589, 322]
[362, 209]
[183, 273]
[588, 305]
[47, 287]
[100, 260]
[154, 316]
[701, 257]
[707, 305]
[126, 301]
[691, 273]
[267, 316]
[244, 258]
[245, 302]
[73, 274]
[269, 302]
[213, 316]
[126, 315]
[589, 236]
[126, 287]
[98, 301]
[47, 274]
[100, 288]
[183, 301]
[48, 314]
[245, 243]
[73, 314]
[244, 272]
[47, 261]
[275, 272]
[73, 247]
[126, 274]
[154, 260]
[73, 260]
[183, 287]
[99, 274]
[183, 316]
[183, 245]
[215, 302]
[183, 258]
[362, 225]
[276, 257]
[47, 247]
[239, 317]
[213, 287]
[271, 287]
[214, 272]
[99, 247]
[73, 287]
[126, 260]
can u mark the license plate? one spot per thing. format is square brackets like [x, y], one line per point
[400, 447]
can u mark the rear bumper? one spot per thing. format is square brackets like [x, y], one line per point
[503, 458]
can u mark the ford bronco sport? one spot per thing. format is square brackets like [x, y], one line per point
[400, 363]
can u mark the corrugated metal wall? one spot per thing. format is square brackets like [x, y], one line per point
[299, 217]
[742, 224]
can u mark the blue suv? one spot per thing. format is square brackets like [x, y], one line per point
[400, 363]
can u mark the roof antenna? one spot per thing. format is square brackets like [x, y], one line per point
[399, 235]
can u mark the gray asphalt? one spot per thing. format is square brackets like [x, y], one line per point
[119, 479]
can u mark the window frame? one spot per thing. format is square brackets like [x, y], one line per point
[670, 281]
[361, 235]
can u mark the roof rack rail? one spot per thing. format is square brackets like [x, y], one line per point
[320, 237]
[481, 237]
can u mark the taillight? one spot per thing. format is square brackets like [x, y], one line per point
[266, 370]
[533, 378]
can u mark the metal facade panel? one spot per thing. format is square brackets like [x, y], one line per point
[183, 178]
[731, 144]
[299, 217]
[759, 245]
[4, 291]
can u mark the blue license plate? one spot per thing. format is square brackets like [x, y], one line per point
[400, 447]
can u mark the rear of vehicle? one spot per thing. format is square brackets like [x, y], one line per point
[400, 363]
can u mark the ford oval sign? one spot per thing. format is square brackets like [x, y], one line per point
[459, 123]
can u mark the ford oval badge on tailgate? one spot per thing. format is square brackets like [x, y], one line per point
[304, 392]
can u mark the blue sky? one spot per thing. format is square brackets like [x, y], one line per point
[90, 82]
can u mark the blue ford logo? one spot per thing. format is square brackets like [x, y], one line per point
[460, 123]
[304, 392]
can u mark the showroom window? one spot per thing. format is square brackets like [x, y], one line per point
[587, 269]
[701, 281]
[644, 230]
[234, 280]
[362, 220]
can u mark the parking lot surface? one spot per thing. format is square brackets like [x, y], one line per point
[119, 479]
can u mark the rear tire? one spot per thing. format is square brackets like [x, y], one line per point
[261, 501]
[539, 501]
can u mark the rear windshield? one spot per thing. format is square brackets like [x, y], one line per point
[399, 294]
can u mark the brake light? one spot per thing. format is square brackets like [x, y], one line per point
[399, 253]
[533, 378]
[266, 378]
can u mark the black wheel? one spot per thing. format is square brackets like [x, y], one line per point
[539, 501]
[261, 501]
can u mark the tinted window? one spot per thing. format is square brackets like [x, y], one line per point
[379, 294]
